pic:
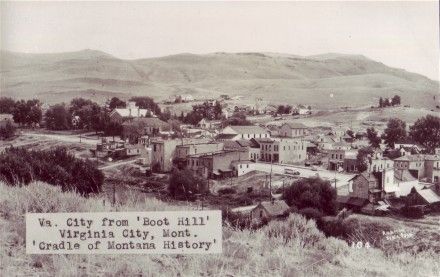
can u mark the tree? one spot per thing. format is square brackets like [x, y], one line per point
[395, 100]
[115, 103]
[113, 129]
[147, 103]
[395, 131]
[237, 119]
[88, 113]
[7, 105]
[362, 158]
[373, 137]
[184, 184]
[312, 193]
[58, 118]
[426, 131]
[27, 112]
[7, 131]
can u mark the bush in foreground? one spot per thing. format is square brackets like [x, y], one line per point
[56, 167]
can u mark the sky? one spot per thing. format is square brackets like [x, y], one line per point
[399, 34]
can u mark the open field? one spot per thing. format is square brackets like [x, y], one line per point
[291, 248]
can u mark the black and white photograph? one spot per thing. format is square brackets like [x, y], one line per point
[219, 138]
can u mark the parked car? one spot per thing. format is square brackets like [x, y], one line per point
[290, 171]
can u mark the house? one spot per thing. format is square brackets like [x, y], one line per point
[216, 165]
[373, 186]
[209, 124]
[5, 119]
[345, 159]
[292, 130]
[352, 203]
[425, 197]
[268, 210]
[350, 161]
[131, 111]
[135, 128]
[432, 168]
[413, 163]
[181, 98]
[283, 150]
[243, 132]
[185, 150]
[163, 153]
[252, 146]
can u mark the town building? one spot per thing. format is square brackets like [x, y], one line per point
[135, 128]
[163, 153]
[283, 150]
[131, 111]
[185, 150]
[242, 132]
[216, 165]
[209, 124]
[292, 130]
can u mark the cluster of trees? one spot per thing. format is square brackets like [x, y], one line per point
[287, 109]
[312, 193]
[183, 184]
[205, 110]
[394, 101]
[237, 119]
[56, 167]
[25, 112]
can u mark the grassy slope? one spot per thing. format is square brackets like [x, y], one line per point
[291, 248]
[277, 78]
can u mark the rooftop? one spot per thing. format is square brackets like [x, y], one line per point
[275, 208]
[251, 129]
[295, 125]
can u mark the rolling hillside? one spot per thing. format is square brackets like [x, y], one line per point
[353, 80]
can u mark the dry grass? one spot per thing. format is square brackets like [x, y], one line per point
[290, 248]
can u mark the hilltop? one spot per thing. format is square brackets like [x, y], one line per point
[352, 80]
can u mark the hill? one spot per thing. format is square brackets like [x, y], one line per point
[291, 248]
[352, 80]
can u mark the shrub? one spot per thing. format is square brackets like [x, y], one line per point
[226, 191]
[311, 213]
[312, 193]
[184, 184]
[56, 167]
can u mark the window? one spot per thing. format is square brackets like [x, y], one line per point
[247, 166]
[154, 147]
[261, 213]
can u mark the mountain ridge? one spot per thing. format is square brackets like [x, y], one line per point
[292, 78]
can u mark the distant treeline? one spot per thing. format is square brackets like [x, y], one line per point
[56, 167]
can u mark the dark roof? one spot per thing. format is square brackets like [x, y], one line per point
[146, 121]
[295, 125]
[275, 208]
[231, 144]
[404, 175]
[225, 136]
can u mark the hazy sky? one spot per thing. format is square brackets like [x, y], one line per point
[400, 34]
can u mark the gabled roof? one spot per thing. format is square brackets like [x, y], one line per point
[275, 208]
[295, 125]
[231, 144]
[134, 112]
[429, 196]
